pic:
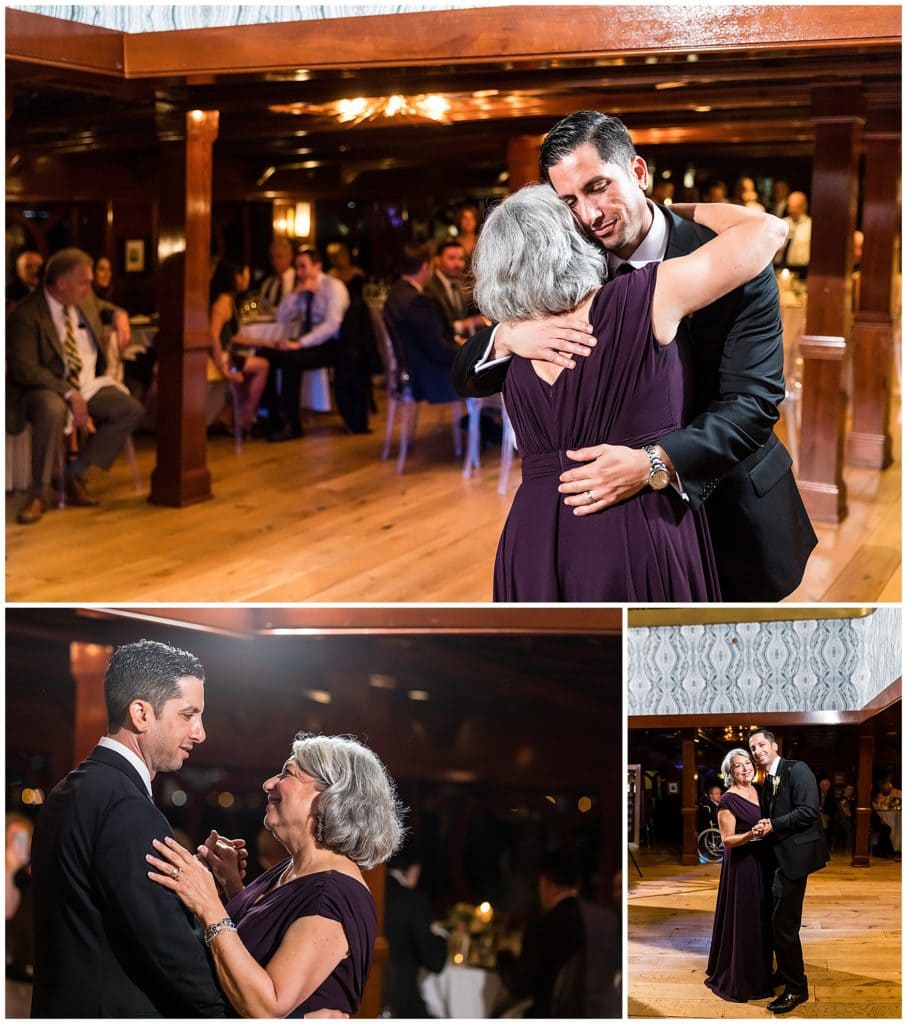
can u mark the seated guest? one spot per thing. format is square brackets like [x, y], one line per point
[357, 360]
[342, 266]
[232, 357]
[708, 810]
[28, 277]
[312, 313]
[57, 375]
[794, 254]
[281, 283]
[413, 945]
[446, 286]
[300, 937]
[419, 325]
[102, 285]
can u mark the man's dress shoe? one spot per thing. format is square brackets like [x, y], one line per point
[31, 510]
[786, 1002]
[77, 495]
[286, 433]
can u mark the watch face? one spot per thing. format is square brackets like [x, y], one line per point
[659, 479]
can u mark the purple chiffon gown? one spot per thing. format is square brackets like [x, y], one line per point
[740, 956]
[263, 915]
[629, 391]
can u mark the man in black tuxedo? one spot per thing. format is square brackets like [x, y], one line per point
[727, 456]
[790, 802]
[109, 942]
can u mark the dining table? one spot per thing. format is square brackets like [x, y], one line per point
[316, 384]
[463, 992]
[893, 820]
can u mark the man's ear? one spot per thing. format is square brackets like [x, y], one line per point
[639, 170]
[140, 715]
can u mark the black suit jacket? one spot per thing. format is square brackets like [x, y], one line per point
[728, 453]
[426, 338]
[109, 942]
[412, 944]
[34, 352]
[797, 838]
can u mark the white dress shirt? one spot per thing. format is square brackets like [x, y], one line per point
[329, 303]
[287, 284]
[131, 757]
[86, 343]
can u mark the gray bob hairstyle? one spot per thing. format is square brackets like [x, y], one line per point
[726, 772]
[532, 259]
[361, 816]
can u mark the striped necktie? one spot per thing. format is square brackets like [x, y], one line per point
[73, 359]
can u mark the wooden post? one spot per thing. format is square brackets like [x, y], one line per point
[869, 441]
[88, 663]
[864, 802]
[837, 116]
[371, 1007]
[181, 475]
[689, 853]
[523, 160]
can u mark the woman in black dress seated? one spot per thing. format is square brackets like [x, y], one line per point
[233, 357]
[532, 260]
[740, 957]
[299, 938]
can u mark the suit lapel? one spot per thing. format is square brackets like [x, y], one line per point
[48, 326]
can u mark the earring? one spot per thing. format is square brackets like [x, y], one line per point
[319, 828]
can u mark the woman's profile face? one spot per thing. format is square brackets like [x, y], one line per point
[742, 771]
[291, 794]
[103, 272]
[468, 221]
[243, 278]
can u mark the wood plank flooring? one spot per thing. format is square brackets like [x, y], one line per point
[851, 939]
[323, 519]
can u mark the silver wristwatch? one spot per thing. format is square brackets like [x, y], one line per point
[659, 475]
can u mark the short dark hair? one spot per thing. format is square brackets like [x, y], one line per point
[146, 670]
[767, 733]
[413, 258]
[560, 869]
[223, 280]
[313, 254]
[448, 243]
[608, 134]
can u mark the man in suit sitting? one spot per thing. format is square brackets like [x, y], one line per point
[56, 374]
[275, 288]
[419, 325]
[789, 799]
[446, 286]
[108, 942]
[727, 456]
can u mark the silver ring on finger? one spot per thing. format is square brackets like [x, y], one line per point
[590, 497]
[175, 873]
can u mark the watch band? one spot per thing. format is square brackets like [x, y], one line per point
[659, 474]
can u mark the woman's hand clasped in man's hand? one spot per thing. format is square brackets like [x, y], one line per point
[183, 873]
[226, 859]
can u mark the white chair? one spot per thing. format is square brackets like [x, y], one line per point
[400, 394]
[474, 439]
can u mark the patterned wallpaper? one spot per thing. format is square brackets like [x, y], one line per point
[164, 17]
[814, 664]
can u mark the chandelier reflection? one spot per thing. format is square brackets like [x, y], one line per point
[362, 109]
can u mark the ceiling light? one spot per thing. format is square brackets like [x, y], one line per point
[418, 695]
[319, 696]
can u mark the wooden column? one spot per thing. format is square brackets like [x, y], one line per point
[837, 116]
[523, 160]
[689, 854]
[181, 475]
[869, 441]
[88, 663]
[376, 880]
[864, 802]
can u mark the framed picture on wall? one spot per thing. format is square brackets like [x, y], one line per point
[134, 256]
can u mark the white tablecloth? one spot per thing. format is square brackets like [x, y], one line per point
[463, 992]
[316, 384]
[893, 820]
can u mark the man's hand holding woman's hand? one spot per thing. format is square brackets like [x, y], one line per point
[552, 339]
[226, 859]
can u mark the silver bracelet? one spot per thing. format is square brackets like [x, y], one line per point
[213, 930]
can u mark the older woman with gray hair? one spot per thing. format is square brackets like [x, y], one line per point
[532, 259]
[740, 956]
[299, 938]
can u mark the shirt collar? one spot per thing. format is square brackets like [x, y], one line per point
[652, 248]
[773, 767]
[131, 757]
[54, 305]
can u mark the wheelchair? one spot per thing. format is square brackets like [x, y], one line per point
[710, 846]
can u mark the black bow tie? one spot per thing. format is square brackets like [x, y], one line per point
[624, 268]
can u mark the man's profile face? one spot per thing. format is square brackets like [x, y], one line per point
[178, 728]
[451, 262]
[30, 269]
[763, 749]
[281, 258]
[307, 270]
[73, 287]
[606, 198]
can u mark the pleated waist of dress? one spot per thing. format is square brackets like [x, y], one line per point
[541, 464]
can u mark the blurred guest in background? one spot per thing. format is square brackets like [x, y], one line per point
[794, 253]
[233, 357]
[357, 360]
[446, 286]
[102, 285]
[745, 194]
[468, 220]
[20, 939]
[282, 281]
[708, 809]
[342, 266]
[715, 191]
[827, 813]
[300, 937]
[28, 277]
[780, 192]
[845, 816]
[413, 942]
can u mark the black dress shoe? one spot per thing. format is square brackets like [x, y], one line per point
[286, 433]
[786, 1002]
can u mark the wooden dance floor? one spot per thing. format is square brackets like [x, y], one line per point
[324, 519]
[851, 941]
